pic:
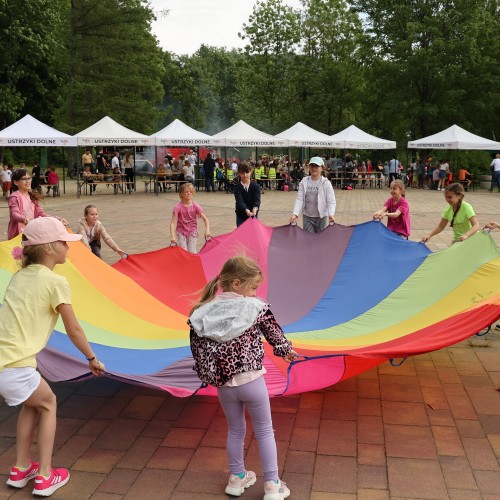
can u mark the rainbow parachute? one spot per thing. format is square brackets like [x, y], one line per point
[349, 298]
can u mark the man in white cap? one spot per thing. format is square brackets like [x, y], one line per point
[315, 198]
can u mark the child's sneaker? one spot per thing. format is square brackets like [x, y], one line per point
[44, 487]
[20, 478]
[236, 485]
[275, 490]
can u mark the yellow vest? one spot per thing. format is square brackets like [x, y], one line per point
[272, 173]
[258, 172]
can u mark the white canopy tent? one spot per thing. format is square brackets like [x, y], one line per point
[180, 134]
[354, 138]
[107, 132]
[243, 135]
[454, 137]
[301, 135]
[29, 132]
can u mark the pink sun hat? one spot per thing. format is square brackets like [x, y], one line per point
[46, 230]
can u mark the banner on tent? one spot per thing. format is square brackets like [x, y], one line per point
[259, 143]
[35, 142]
[440, 145]
[97, 141]
[314, 144]
[189, 142]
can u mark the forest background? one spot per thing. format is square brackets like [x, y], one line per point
[399, 69]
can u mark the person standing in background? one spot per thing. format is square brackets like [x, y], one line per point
[88, 160]
[129, 172]
[495, 173]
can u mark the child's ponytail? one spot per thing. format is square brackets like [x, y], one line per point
[457, 189]
[208, 292]
[239, 268]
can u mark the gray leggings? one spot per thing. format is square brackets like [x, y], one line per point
[255, 397]
[314, 224]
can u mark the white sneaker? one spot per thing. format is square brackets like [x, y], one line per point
[275, 490]
[236, 486]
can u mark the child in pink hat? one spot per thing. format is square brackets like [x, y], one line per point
[34, 300]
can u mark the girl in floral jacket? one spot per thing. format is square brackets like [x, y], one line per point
[228, 353]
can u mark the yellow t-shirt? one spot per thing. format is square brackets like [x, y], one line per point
[29, 314]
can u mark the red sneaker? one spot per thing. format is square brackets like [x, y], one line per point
[44, 487]
[20, 478]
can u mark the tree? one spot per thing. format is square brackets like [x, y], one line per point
[182, 97]
[273, 35]
[115, 66]
[31, 49]
[217, 72]
[330, 75]
[425, 61]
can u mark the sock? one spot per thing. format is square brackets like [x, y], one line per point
[22, 469]
[241, 475]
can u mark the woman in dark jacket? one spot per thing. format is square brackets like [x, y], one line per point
[36, 178]
[209, 169]
[246, 194]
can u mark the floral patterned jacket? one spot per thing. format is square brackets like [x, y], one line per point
[217, 362]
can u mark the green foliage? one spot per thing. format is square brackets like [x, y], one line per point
[273, 35]
[400, 69]
[429, 66]
[30, 50]
[331, 75]
[217, 73]
[115, 66]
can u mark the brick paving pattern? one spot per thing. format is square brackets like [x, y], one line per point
[429, 429]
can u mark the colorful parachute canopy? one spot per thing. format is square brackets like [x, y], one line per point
[349, 298]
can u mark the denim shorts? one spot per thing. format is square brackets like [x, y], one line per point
[18, 384]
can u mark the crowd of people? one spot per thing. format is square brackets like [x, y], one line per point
[225, 324]
[346, 172]
[50, 179]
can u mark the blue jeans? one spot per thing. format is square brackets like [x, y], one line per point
[255, 398]
[495, 180]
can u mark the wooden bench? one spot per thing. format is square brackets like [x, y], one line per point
[474, 184]
[89, 188]
[54, 187]
[152, 184]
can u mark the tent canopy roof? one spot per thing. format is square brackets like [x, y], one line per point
[354, 138]
[29, 131]
[301, 135]
[180, 134]
[454, 137]
[107, 132]
[244, 135]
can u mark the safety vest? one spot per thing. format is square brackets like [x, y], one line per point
[258, 172]
[272, 173]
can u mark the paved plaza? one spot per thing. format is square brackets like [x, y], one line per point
[429, 429]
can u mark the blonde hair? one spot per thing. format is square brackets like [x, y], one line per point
[238, 267]
[87, 209]
[35, 254]
[399, 183]
[185, 187]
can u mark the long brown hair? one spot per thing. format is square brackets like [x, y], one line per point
[457, 189]
[238, 267]
[17, 176]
